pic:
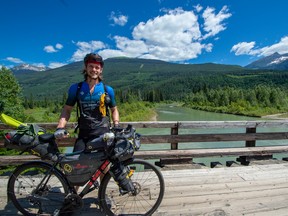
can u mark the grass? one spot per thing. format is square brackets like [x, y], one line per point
[135, 111]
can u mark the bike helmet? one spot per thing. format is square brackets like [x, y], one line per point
[93, 58]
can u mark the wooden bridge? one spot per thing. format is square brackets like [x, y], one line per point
[180, 133]
[250, 186]
[254, 190]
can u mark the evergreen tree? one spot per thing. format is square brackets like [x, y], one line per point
[11, 100]
[11, 95]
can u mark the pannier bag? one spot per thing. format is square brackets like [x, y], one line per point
[124, 148]
[26, 139]
[121, 175]
[79, 168]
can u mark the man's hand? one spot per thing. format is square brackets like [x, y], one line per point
[61, 133]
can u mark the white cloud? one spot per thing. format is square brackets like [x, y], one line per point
[171, 36]
[14, 60]
[213, 23]
[281, 47]
[59, 46]
[248, 48]
[198, 8]
[55, 65]
[177, 26]
[174, 36]
[244, 48]
[51, 49]
[39, 65]
[118, 19]
[131, 47]
[110, 53]
[85, 48]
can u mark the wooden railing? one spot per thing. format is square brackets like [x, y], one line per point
[179, 134]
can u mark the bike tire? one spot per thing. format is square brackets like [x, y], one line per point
[150, 185]
[22, 187]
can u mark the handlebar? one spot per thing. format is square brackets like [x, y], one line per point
[124, 133]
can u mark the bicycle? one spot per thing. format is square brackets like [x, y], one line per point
[48, 187]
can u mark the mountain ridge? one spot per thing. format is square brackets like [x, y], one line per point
[148, 77]
[275, 61]
[28, 67]
[121, 73]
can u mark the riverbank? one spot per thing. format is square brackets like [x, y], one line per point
[279, 116]
[154, 116]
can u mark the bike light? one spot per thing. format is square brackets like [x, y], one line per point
[8, 136]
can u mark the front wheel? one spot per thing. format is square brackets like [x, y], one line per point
[37, 188]
[149, 184]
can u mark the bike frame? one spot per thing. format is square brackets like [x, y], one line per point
[88, 187]
[101, 170]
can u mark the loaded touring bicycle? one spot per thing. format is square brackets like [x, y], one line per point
[47, 186]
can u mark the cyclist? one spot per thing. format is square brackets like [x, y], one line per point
[94, 100]
[94, 119]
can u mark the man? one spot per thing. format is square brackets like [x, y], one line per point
[93, 99]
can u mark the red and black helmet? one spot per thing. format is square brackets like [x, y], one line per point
[93, 58]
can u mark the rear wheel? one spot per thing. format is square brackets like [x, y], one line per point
[149, 184]
[32, 193]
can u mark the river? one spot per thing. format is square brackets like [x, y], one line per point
[177, 113]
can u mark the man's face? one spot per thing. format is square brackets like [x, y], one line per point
[94, 70]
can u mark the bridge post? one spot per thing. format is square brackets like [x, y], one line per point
[251, 143]
[174, 131]
[245, 160]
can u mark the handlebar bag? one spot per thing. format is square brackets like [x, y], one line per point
[18, 141]
[26, 139]
[123, 150]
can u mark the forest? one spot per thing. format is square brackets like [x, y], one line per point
[142, 83]
[225, 89]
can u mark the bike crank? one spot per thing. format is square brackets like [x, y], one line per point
[71, 203]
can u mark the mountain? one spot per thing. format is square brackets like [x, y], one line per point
[125, 74]
[274, 62]
[148, 78]
[27, 68]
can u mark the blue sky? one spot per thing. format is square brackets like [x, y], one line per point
[57, 32]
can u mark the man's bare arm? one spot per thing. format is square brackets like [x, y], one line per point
[65, 116]
[115, 115]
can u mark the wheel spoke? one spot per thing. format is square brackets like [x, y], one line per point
[149, 185]
[29, 196]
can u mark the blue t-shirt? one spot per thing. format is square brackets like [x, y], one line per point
[91, 122]
[85, 95]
